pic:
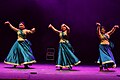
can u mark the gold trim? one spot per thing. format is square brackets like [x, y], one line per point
[21, 63]
[63, 41]
[10, 63]
[77, 63]
[114, 66]
[106, 62]
[68, 65]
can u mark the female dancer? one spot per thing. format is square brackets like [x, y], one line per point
[106, 59]
[66, 58]
[20, 52]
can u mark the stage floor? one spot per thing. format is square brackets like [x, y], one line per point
[49, 72]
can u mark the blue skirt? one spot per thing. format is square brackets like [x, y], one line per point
[106, 57]
[20, 53]
[66, 58]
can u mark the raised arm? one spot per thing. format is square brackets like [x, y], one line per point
[54, 29]
[30, 31]
[113, 30]
[11, 26]
[68, 29]
[98, 30]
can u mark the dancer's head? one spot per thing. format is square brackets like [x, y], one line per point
[63, 27]
[103, 30]
[21, 25]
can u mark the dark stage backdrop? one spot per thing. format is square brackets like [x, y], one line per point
[79, 15]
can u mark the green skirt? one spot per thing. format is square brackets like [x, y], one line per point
[66, 57]
[20, 53]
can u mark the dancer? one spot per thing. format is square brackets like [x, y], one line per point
[106, 59]
[66, 58]
[20, 52]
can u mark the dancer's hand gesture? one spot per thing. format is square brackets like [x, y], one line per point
[116, 26]
[7, 22]
[50, 26]
[98, 24]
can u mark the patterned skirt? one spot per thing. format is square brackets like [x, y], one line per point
[106, 57]
[66, 58]
[20, 53]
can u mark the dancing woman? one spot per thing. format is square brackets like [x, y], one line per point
[66, 57]
[20, 52]
[106, 59]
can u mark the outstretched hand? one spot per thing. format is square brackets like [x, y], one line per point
[33, 29]
[50, 26]
[98, 24]
[7, 22]
[116, 26]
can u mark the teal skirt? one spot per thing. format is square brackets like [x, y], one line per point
[66, 58]
[106, 57]
[20, 53]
